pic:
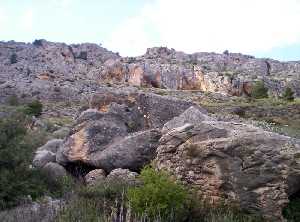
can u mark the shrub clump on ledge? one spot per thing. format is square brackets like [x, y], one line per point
[259, 91]
[288, 95]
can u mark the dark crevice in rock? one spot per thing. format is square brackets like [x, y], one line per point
[79, 169]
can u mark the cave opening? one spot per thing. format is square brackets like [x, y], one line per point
[79, 169]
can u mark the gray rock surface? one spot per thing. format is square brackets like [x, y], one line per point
[46, 153]
[229, 73]
[50, 71]
[43, 157]
[119, 130]
[59, 72]
[55, 171]
[257, 169]
[95, 176]
[133, 152]
[123, 175]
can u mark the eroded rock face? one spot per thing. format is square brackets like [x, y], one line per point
[228, 73]
[50, 71]
[57, 71]
[257, 169]
[121, 130]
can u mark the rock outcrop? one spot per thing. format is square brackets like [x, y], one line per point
[121, 130]
[228, 73]
[50, 71]
[60, 72]
[259, 170]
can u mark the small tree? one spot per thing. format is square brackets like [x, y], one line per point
[13, 58]
[34, 108]
[288, 94]
[259, 90]
[13, 100]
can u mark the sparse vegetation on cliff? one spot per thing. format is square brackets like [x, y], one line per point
[288, 94]
[259, 90]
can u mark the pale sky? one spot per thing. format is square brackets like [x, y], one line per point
[263, 28]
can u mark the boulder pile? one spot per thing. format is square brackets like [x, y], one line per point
[232, 161]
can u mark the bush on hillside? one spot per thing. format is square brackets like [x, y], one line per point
[34, 108]
[13, 100]
[18, 180]
[158, 196]
[292, 211]
[13, 58]
[259, 90]
[288, 94]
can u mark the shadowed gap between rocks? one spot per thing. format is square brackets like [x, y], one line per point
[78, 169]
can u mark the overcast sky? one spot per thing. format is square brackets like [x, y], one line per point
[264, 28]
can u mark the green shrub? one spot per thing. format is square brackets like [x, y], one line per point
[259, 90]
[158, 196]
[17, 179]
[288, 94]
[13, 100]
[34, 108]
[292, 211]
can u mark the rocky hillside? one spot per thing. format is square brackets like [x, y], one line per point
[102, 116]
[221, 159]
[56, 71]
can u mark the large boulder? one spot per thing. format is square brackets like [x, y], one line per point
[95, 176]
[259, 170]
[119, 130]
[91, 135]
[133, 152]
[55, 171]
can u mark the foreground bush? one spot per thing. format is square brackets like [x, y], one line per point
[158, 196]
[106, 201]
[18, 180]
[292, 211]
